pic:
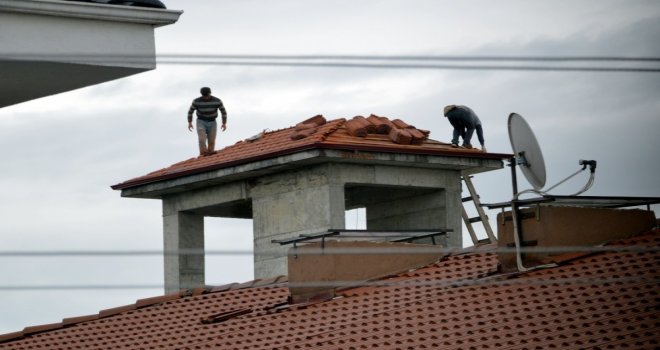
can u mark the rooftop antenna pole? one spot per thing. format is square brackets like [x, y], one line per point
[514, 178]
[517, 227]
[527, 154]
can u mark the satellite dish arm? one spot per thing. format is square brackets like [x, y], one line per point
[592, 168]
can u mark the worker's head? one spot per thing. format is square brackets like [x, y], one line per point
[205, 91]
[448, 109]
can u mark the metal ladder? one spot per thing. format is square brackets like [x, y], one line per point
[483, 218]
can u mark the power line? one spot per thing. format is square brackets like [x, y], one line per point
[328, 251]
[495, 280]
[428, 62]
[119, 253]
[411, 66]
[18, 288]
[186, 57]
[417, 58]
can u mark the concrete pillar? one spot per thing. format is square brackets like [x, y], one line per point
[183, 231]
[453, 213]
[288, 205]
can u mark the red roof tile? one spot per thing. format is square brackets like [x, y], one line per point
[313, 133]
[604, 300]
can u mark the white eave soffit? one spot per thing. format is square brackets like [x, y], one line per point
[70, 9]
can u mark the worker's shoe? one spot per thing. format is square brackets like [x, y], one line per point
[455, 145]
[467, 145]
[208, 153]
[483, 148]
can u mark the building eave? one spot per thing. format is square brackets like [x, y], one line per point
[156, 186]
[77, 10]
[53, 47]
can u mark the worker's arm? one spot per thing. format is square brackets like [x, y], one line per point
[224, 116]
[190, 115]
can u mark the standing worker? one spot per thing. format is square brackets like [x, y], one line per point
[207, 112]
[465, 122]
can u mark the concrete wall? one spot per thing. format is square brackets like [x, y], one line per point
[408, 198]
[290, 204]
[568, 228]
[314, 273]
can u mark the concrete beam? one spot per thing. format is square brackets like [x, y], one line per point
[199, 199]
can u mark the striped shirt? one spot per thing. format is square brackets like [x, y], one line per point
[207, 109]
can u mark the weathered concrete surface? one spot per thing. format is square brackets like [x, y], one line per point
[208, 197]
[313, 200]
[289, 204]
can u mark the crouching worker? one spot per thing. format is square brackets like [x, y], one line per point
[207, 112]
[465, 122]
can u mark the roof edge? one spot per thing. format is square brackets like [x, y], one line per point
[131, 184]
[140, 304]
[317, 145]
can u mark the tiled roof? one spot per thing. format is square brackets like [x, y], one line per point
[604, 300]
[373, 133]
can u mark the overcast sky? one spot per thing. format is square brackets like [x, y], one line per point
[61, 153]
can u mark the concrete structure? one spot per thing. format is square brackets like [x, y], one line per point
[306, 189]
[306, 200]
[317, 270]
[49, 46]
[566, 228]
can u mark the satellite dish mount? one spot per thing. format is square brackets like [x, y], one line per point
[527, 155]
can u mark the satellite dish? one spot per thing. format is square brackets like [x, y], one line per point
[528, 155]
[527, 151]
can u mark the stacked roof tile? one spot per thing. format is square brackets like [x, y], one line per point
[373, 133]
[604, 300]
